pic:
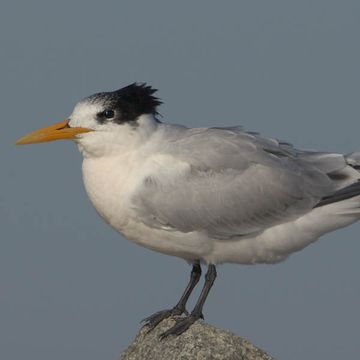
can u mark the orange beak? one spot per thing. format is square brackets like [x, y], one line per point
[58, 131]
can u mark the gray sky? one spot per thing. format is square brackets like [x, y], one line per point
[71, 287]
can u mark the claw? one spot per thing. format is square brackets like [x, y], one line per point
[151, 317]
[154, 320]
[180, 327]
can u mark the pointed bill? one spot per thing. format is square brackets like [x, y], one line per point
[58, 131]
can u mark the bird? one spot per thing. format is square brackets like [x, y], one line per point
[208, 195]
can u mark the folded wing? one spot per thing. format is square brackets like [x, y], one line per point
[226, 182]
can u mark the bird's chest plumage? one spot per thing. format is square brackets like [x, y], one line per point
[109, 185]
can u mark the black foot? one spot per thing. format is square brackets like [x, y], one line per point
[153, 320]
[181, 326]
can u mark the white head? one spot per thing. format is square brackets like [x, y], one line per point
[106, 122]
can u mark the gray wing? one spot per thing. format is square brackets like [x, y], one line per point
[227, 182]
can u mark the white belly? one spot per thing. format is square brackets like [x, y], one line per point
[111, 182]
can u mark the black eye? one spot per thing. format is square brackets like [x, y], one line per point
[109, 114]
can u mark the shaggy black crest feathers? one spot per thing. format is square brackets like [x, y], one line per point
[128, 103]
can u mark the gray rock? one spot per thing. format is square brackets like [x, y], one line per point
[200, 342]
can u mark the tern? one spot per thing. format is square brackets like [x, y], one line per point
[207, 195]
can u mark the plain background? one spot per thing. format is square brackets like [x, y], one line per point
[71, 287]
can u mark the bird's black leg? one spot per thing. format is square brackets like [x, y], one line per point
[153, 320]
[184, 323]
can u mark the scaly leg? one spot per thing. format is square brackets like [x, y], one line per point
[183, 324]
[153, 320]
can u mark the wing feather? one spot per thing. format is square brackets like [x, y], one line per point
[227, 182]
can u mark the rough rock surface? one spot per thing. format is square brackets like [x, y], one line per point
[200, 342]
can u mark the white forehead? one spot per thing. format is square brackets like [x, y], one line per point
[84, 114]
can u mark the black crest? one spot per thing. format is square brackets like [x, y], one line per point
[127, 104]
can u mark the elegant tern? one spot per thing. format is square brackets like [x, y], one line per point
[207, 195]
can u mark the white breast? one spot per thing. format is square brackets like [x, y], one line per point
[110, 183]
